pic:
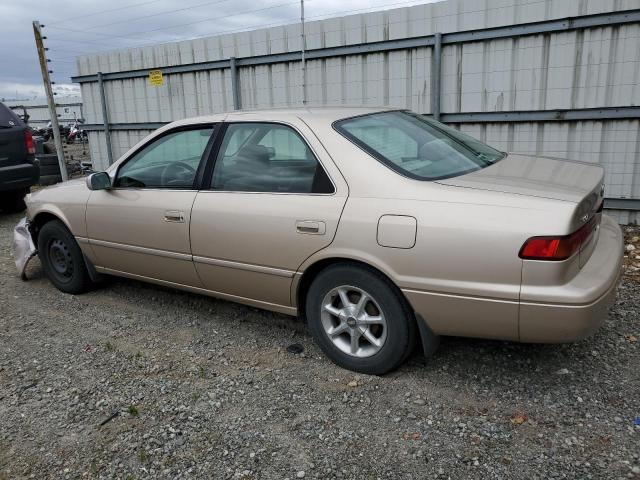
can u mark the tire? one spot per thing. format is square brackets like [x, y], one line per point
[48, 170]
[13, 202]
[46, 148]
[386, 319]
[62, 259]
[50, 179]
[48, 159]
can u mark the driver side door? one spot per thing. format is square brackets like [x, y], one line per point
[140, 227]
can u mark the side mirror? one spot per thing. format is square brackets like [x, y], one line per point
[99, 181]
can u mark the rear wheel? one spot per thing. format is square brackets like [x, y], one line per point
[359, 319]
[62, 259]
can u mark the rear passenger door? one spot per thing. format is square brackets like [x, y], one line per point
[274, 199]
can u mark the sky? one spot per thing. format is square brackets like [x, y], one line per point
[76, 27]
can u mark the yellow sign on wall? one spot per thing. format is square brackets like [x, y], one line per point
[155, 78]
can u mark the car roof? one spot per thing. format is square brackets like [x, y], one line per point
[329, 114]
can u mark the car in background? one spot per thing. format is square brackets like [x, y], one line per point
[18, 167]
[383, 228]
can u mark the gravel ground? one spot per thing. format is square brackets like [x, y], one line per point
[138, 381]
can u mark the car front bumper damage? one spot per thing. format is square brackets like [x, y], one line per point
[23, 246]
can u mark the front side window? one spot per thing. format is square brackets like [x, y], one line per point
[267, 157]
[170, 161]
[416, 146]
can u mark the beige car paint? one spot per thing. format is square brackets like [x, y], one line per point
[397, 231]
[235, 235]
[258, 230]
[132, 230]
[463, 276]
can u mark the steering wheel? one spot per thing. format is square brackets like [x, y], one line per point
[174, 169]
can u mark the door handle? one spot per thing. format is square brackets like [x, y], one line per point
[174, 216]
[310, 227]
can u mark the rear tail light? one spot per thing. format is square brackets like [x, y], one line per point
[28, 141]
[557, 248]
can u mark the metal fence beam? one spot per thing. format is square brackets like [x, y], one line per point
[436, 76]
[105, 117]
[607, 113]
[612, 113]
[534, 28]
[235, 84]
[45, 106]
[96, 127]
[632, 204]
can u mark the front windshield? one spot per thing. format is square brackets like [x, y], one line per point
[416, 146]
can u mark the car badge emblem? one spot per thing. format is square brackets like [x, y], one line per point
[584, 218]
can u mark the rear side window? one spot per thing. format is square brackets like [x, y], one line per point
[417, 147]
[267, 157]
[8, 118]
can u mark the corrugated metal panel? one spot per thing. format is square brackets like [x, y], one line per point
[613, 144]
[594, 67]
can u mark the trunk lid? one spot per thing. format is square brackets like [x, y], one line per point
[575, 182]
[537, 177]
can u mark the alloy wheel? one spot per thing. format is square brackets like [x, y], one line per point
[353, 321]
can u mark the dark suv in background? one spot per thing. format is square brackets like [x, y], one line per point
[18, 166]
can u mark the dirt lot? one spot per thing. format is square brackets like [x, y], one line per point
[138, 381]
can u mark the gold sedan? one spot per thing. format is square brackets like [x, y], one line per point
[382, 228]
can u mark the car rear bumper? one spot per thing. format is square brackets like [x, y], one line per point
[17, 177]
[585, 299]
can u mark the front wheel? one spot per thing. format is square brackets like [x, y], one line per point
[359, 319]
[62, 259]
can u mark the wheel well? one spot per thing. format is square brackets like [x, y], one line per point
[38, 222]
[312, 272]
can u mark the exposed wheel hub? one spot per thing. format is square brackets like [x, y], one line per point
[60, 258]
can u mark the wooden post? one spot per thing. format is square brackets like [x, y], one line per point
[50, 100]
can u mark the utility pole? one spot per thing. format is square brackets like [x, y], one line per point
[37, 32]
[304, 65]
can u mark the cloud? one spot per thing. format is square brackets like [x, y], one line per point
[28, 91]
[74, 28]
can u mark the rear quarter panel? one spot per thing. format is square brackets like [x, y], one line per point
[463, 275]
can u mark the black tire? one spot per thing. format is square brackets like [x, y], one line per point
[62, 259]
[401, 333]
[50, 179]
[47, 170]
[48, 159]
[13, 202]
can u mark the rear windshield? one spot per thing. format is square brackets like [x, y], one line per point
[416, 146]
[8, 118]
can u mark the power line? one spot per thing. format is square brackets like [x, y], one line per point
[66, 20]
[252, 27]
[181, 24]
[106, 35]
[159, 14]
[55, 39]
